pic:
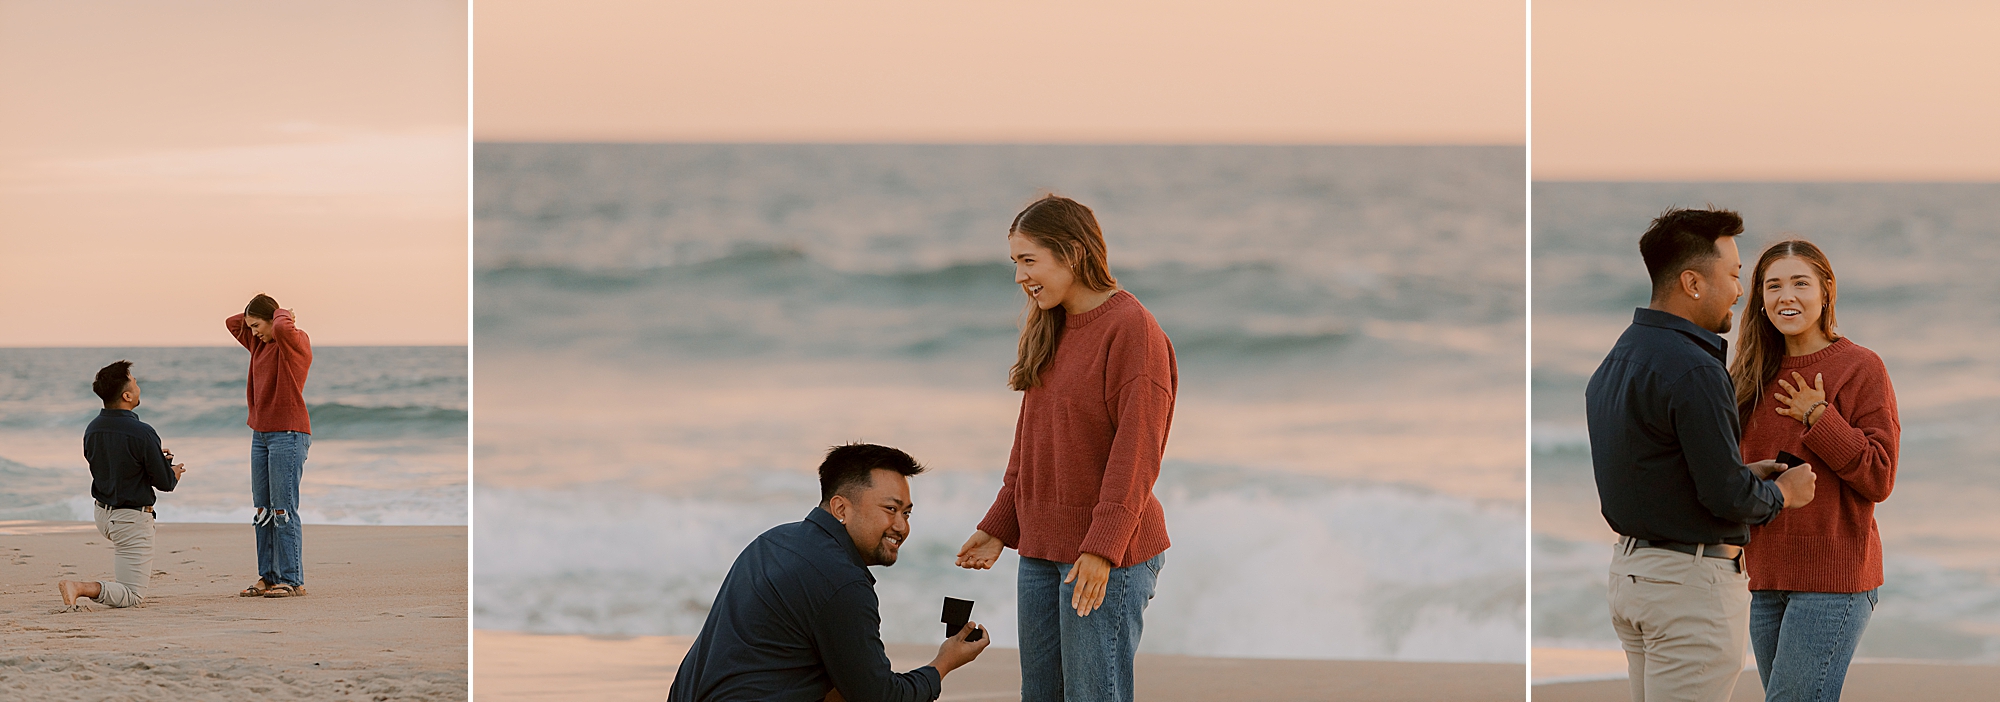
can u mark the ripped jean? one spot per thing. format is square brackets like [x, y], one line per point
[277, 463]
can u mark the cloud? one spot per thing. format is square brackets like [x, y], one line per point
[312, 161]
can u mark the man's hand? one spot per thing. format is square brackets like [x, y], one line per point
[956, 651]
[1766, 469]
[1797, 484]
[179, 469]
[1090, 574]
[980, 551]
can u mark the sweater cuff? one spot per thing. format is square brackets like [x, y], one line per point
[1002, 523]
[1111, 530]
[1834, 440]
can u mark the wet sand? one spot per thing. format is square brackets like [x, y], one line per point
[385, 617]
[1578, 675]
[516, 667]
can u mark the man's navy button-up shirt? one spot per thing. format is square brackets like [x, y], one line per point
[125, 460]
[1663, 438]
[796, 617]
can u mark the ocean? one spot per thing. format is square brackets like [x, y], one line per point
[670, 336]
[1915, 268]
[389, 432]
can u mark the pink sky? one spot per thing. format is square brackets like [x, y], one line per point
[162, 163]
[1787, 90]
[1263, 71]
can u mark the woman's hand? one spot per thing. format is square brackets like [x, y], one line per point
[1805, 404]
[1090, 574]
[980, 551]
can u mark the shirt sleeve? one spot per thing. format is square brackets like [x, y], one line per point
[1859, 443]
[146, 450]
[1001, 521]
[1704, 418]
[848, 634]
[1142, 408]
[241, 331]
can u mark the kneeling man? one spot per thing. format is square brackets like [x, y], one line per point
[126, 464]
[797, 619]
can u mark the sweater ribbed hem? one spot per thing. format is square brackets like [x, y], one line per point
[1812, 563]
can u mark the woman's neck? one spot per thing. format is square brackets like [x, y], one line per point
[1807, 342]
[1086, 300]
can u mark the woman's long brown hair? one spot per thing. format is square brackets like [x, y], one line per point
[1760, 347]
[1069, 230]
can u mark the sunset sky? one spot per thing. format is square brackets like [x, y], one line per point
[1786, 90]
[1256, 71]
[162, 163]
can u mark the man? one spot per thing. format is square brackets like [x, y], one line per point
[1672, 483]
[126, 464]
[797, 619]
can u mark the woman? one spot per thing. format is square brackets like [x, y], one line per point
[280, 356]
[1813, 570]
[1097, 378]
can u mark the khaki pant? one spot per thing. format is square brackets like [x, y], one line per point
[131, 535]
[1684, 621]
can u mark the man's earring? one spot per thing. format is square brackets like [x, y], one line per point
[1697, 296]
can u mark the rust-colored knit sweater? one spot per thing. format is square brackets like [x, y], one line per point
[1088, 443]
[1831, 544]
[276, 391]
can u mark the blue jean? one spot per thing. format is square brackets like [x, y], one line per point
[277, 463]
[1804, 640]
[1081, 659]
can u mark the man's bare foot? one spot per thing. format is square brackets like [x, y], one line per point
[72, 589]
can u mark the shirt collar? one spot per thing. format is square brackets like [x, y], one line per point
[826, 522]
[1710, 341]
[117, 413]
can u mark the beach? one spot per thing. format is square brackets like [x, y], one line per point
[676, 333]
[518, 667]
[384, 617]
[388, 432]
[1906, 256]
[1598, 675]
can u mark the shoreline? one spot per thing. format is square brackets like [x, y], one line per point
[385, 617]
[512, 666]
[1598, 675]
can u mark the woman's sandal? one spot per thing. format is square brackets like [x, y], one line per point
[283, 590]
[256, 590]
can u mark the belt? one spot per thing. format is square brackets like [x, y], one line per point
[1726, 552]
[143, 508]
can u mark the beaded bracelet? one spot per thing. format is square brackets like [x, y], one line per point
[1809, 413]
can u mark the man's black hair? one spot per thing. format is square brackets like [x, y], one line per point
[111, 380]
[1681, 239]
[849, 466]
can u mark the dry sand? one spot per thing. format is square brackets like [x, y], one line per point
[385, 617]
[1867, 680]
[515, 667]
